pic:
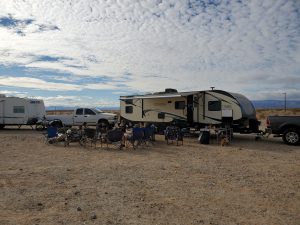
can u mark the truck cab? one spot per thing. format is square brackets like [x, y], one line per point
[287, 127]
[90, 116]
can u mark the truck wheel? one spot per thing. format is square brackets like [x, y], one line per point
[291, 136]
[2, 126]
[104, 122]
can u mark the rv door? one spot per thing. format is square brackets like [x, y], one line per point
[190, 109]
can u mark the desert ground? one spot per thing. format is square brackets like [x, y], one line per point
[247, 182]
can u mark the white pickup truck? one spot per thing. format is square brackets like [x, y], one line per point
[91, 116]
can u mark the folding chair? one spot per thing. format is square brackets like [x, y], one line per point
[137, 137]
[91, 135]
[173, 134]
[113, 137]
[74, 135]
[148, 135]
[51, 135]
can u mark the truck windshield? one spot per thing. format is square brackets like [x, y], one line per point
[97, 110]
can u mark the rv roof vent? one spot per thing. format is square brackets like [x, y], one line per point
[170, 90]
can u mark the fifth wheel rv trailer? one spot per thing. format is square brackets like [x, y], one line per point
[193, 109]
[20, 111]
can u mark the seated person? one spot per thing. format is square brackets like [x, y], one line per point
[122, 125]
[101, 129]
[127, 135]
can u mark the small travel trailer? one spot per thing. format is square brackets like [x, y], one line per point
[20, 111]
[193, 109]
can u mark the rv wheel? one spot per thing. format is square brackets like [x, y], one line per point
[291, 136]
[2, 126]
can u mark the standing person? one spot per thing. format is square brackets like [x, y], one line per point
[122, 125]
[101, 130]
[127, 135]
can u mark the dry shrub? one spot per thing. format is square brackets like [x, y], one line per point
[263, 113]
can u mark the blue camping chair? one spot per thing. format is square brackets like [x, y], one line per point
[149, 133]
[51, 135]
[137, 137]
[173, 133]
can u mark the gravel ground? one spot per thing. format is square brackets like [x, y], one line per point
[248, 182]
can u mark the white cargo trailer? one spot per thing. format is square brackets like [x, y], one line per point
[20, 111]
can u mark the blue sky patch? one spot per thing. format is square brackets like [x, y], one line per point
[10, 22]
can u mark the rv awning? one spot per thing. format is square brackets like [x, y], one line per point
[151, 96]
[154, 96]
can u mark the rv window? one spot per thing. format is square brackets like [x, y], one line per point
[79, 111]
[89, 112]
[129, 101]
[179, 104]
[160, 115]
[214, 105]
[129, 109]
[19, 109]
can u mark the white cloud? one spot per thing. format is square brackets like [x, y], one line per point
[39, 84]
[76, 101]
[14, 93]
[34, 83]
[160, 43]
[291, 94]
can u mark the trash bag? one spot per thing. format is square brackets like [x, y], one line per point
[204, 137]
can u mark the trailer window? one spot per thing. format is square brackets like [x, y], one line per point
[129, 109]
[179, 104]
[79, 111]
[19, 109]
[89, 112]
[214, 105]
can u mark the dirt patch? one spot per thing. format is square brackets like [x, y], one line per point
[247, 182]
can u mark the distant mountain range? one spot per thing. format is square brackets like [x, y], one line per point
[275, 104]
[258, 104]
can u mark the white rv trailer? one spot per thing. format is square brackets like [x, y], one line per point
[20, 111]
[195, 108]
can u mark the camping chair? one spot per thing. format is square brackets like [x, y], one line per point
[173, 134]
[51, 135]
[74, 135]
[137, 137]
[91, 135]
[148, 135]
[113, 137]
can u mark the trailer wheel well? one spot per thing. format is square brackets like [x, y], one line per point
[2, 126]
[56, 123]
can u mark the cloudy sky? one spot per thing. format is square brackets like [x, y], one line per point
[89, 52]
